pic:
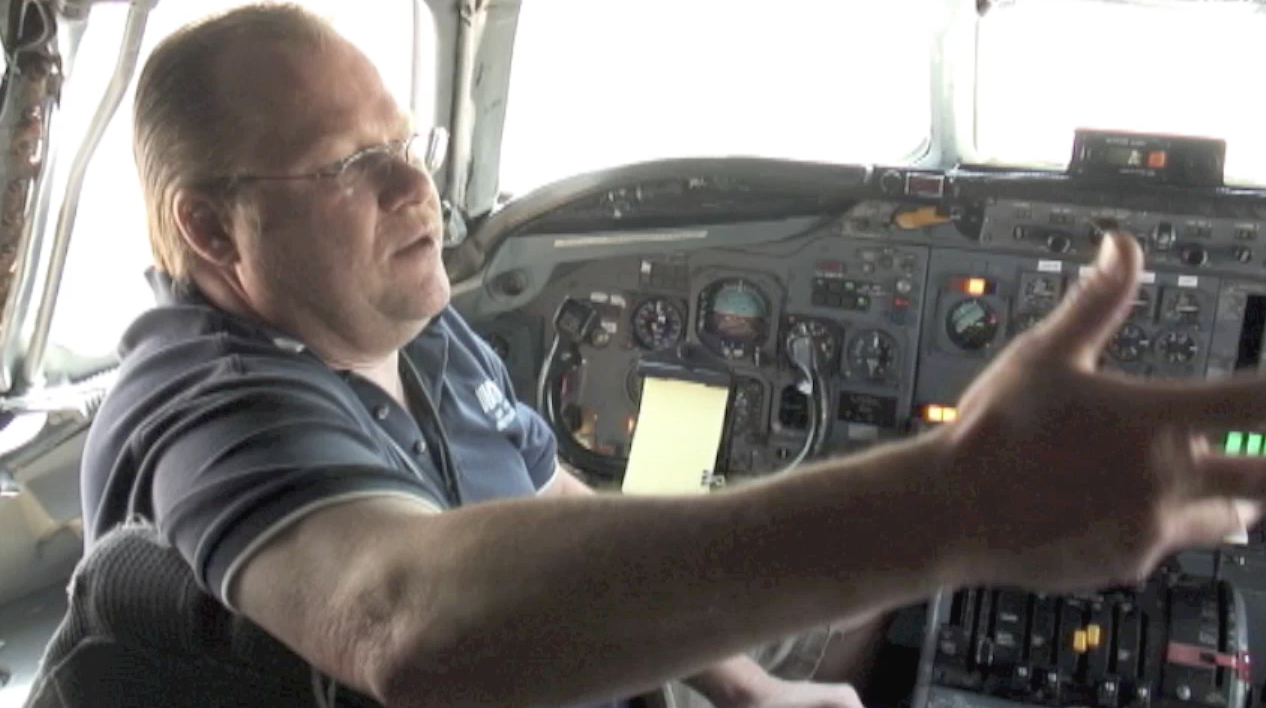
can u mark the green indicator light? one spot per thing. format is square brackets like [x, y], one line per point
[1234, 443]
[1254, 446]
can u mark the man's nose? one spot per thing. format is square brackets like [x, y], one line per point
[405, 186]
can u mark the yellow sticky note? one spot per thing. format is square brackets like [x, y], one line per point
[677, 437]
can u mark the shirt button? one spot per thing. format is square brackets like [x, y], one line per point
[381, 412]
[419, 447]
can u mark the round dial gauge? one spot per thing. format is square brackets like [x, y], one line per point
[1129, 344]
[658, 324]
[821, 335]
[972, 324]
[872, 355]
[733, 318]
[1176, 347]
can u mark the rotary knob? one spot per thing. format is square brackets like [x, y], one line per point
[1193, 255]
[891, 182]
[1243, 254]
[1058, 242]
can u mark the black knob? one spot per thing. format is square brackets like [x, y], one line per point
[512, 283]
[1058, 242]
[891, 182]
[1194, 256]
[1243, 254]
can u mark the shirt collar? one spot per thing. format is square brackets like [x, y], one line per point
[171, 293]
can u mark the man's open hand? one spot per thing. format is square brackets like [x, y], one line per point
[1067, 478]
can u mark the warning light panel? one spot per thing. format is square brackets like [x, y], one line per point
[933, 413]
[975, 286]
[1244, 444]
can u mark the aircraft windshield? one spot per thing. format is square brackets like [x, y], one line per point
[1047, 67]
[600, 83]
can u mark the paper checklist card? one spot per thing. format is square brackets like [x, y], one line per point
[677, 438]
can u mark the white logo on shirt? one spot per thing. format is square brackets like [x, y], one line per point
[495, 404]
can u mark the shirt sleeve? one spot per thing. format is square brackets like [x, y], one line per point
[538, 446]
[234, 464]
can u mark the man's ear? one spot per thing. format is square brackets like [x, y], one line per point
[204, 225]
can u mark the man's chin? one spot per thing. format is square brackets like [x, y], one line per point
[425, 303]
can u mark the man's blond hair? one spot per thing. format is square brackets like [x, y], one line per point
[186, 129]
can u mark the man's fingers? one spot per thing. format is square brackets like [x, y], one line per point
[1223, 477]
[1207, 523]
[1079, 329]
[1237, 403]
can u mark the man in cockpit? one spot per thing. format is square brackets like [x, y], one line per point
[340, 459]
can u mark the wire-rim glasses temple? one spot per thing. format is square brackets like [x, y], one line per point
[424, 151]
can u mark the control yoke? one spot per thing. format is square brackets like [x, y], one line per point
[576, 320]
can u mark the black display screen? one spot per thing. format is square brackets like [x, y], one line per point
[1252, 332]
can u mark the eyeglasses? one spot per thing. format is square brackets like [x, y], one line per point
[422, 151]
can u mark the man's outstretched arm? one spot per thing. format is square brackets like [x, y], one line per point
[561, 600]
[737, 681]
[557, 601]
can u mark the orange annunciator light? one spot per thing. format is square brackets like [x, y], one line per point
[1156, 159]
[933, 413]
[973, 286]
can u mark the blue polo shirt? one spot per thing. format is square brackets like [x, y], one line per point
[222, 433]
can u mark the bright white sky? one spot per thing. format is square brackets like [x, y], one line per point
[598, 83]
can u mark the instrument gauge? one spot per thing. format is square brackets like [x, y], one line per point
[658, 324]
[1177, 347]
[733, 318]
[972, 324]
[1129, 344]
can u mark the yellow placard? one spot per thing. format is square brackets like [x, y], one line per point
[677, 437]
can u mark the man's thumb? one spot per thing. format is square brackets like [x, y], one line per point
[1088, 319]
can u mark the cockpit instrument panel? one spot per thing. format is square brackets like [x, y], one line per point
[896, 305]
